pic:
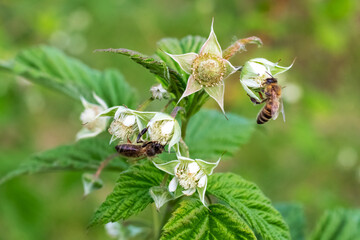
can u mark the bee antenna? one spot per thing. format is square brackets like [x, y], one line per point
[269, 74]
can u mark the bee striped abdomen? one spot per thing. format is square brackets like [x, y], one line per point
[265, 114]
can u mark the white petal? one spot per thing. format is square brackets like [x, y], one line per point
[173, 184]
[168, 127]
[129, 120]
[193, 167]
[120, 110]
[189, 191]
[86, 133]
[202, 181]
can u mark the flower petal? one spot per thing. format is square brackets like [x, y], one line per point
[211, 45]
[168, 167]
[184, 60]
[202, 181]
[86, 133]
[173, 184]
[217, 93]
[192, 87]
[189, 191]
[230, 69]
[193, 167]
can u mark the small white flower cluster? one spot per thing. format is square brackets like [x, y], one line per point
[128, 123]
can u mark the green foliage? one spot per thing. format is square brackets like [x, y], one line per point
[192, 220]
[252, 205]
[339, 224]
[293, 215]
[210, 135]
[130, 195]
[86, 154]
[171, 79]
[51, 68]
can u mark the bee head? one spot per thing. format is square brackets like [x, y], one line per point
[271, 80]
[158, 148]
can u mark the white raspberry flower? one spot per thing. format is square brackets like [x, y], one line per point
[127, 123]
[256, 71]
[92, 125]
[190, 174]
[207, 70]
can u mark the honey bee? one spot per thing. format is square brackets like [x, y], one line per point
[143, 150]
[273, 101]
[146, 149]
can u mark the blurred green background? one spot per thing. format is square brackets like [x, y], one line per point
[312, 159]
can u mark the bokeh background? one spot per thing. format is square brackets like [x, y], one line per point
[312, 159]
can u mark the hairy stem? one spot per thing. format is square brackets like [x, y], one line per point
[145, 104]
[156, 222]
[104, 164]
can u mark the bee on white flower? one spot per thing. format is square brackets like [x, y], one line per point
[190, 174]
[92, 125]
[255, 72]
[164, 129]
[127, 123]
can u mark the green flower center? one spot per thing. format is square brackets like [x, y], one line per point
[208, 69]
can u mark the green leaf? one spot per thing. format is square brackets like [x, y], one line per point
[293, 214]
[210, 135]
[131, 194]
[339, 224]
[252, 205]
[51, 68]
[86, 154]
[194, 221]
[171, 79]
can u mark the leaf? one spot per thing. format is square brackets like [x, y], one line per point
[171, 79]
[130, 195]
[86, 154]
[294, 216]
[252, 205]
[210, 135]
[194, 221]
[51, 68]
[339, 224]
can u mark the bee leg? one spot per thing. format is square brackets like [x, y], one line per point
[261, 96]
[253, 100]
[141, 134]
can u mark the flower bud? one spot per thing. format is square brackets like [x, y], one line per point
[158, 92]
[92, 125]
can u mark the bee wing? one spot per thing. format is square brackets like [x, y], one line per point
[282, 108]
[275, 108]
